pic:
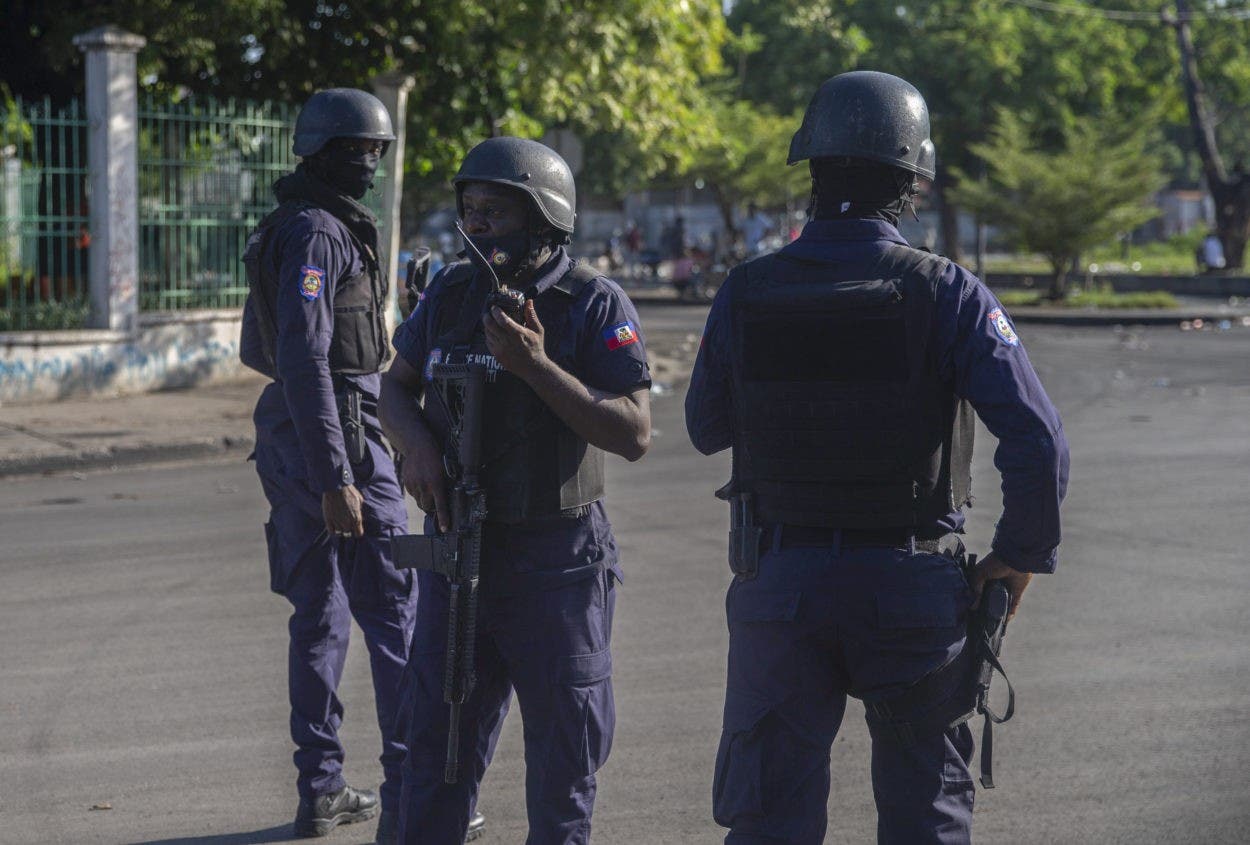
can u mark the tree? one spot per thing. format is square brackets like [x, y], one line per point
[967, 57]
[1061, 203]
[1230, 191]
[746, 160]
[482, 67]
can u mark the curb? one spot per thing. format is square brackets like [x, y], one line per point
[124, 456]
[1110, 317]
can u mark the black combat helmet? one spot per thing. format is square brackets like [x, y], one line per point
[340, 113]
[870, 115]
[529, 166]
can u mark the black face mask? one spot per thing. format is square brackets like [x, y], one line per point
[505, 254]
[347, 170]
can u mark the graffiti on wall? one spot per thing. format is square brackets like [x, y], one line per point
[167, 357]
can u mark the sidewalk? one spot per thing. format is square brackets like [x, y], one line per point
[80, 434]
[205, 422]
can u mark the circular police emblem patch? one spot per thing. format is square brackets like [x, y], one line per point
[1003, 327]
[311, 280]
[498, 257]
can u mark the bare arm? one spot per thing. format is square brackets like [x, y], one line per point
[422, 472]
[618, 423]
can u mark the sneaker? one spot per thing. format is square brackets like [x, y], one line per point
[318, 816]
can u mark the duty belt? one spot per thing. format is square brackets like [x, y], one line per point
[897, 538]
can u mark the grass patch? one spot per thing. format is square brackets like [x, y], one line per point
[1173, 257]
[1090, 299]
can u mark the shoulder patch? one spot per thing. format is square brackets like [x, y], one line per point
[622, 334]
[311, 281]
[1003, 328]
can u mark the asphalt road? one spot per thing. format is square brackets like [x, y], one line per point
[143, 659]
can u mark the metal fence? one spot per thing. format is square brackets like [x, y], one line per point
[206, 168]
[205, 172]
[43, 216]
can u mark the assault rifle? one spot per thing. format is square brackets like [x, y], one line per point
[456, 554]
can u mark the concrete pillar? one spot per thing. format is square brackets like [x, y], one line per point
[112, 157]
[11, 211]
[392, 89]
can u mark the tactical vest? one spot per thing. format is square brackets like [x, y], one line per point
[359, 345]
[533, 465]
[840, 419]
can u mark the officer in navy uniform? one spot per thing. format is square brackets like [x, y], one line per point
[314, 323]
[842, 371]
[570, 382]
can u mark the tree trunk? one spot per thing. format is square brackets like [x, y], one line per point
[1232, 218]
[1231, 194]
[1058, 280]
[949, 215]
[726, 208]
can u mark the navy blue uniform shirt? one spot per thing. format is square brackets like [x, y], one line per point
[297, 419]
[979, 355]
[600, 355]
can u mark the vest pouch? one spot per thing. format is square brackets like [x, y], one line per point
[355, 349]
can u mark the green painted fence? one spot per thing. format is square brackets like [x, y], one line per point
[205, 173]
[43, 215]
[206, 169]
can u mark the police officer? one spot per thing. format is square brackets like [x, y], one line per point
[841, 371]
[314, 324]
[570, 382]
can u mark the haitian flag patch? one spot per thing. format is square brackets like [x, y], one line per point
[311, 280]
[622, 334]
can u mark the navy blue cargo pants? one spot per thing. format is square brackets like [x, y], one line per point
[330, 580]
[552, 647]
[817, 624]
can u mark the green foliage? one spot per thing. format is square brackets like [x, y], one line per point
[15, 131]
[1063, 203]
[784, 49]
[1100, 298]
[967, 57]
[481, 67]
[746, 160]
[44, 316]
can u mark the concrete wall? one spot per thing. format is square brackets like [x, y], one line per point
[182, 350]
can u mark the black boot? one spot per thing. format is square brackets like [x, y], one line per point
[318, 816]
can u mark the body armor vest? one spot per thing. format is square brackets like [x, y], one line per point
[359, 345]
[533, 465]
[840, 419]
